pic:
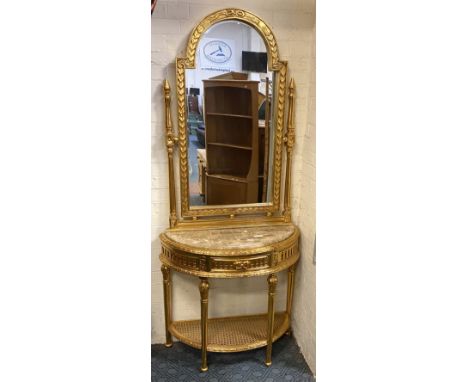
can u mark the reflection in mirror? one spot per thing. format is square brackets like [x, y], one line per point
[229, 118]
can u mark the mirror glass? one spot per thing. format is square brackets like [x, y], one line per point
[229, 98]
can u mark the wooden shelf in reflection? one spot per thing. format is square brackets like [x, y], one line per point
[230, 146]
[227, 177]
[230, 115]
[231, 128]
[231, 334]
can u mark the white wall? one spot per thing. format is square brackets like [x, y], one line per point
[304, 216]
[294, 27]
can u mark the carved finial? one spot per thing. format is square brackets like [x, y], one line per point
[170, 142]
[290, 135]
[292, 88]
[167, 91]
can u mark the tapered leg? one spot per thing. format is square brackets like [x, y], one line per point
[167, 302]
[272, 281]
[204, 286]
[291, 274]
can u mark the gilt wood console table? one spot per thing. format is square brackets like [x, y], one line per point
[222, 239]
[230, 253]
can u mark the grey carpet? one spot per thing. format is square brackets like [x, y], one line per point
[181, 363]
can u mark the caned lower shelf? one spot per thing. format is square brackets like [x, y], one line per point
[231, 334]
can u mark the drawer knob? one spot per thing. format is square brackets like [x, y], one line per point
[241, 265]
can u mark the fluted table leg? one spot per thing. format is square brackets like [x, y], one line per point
[167, 302]
[291, 274]
[272, 281]
[204, 287]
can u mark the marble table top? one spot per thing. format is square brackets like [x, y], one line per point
[232, 238]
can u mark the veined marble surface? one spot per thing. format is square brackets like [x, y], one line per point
[228, 238]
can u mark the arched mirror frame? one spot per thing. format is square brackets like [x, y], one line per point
[271, 210]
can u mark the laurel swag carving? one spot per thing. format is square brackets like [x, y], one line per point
[274, 64]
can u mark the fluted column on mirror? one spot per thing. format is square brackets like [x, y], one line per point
[289, 141]
[272, 281]
[266, 154]
[171, 141]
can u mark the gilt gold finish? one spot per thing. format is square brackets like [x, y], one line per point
[219, 262]
[275, 65]
[204, 287]
[167, 302]
[291, 272]
[214, 255]
[290, 295]
[267, 141]
[230, 241]
[289, 140]
[233, 14]
[231, 334]
[171, 140]
[272, 281]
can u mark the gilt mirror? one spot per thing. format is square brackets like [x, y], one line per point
[230, 102]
